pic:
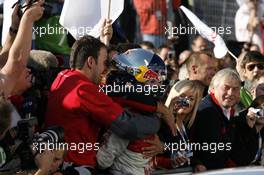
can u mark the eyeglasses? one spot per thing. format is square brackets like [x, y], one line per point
[252, 66]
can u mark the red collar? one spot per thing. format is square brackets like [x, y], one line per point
[214, 99]
[232, 110]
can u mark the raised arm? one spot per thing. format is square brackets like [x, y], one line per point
[19, 51]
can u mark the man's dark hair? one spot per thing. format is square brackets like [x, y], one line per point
[111, 47]
[258, 101]
[123, 47]
[162, 46]
[5, 114]
[252, 56]
[148, 44]
[82, 49]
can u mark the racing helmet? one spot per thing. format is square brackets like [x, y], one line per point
[140, 66]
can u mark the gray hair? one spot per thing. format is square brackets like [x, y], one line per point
[42, 60]
[222, 74]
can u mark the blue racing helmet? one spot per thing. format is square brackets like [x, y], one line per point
[143, 65]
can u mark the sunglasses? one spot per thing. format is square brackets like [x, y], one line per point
[252, 66]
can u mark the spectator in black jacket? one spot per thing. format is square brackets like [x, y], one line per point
[215, 125]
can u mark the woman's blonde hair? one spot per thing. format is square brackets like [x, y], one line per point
[193, 85]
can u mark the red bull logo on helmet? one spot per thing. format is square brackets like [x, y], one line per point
[151, 75]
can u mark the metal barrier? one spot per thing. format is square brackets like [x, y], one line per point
[178, 171]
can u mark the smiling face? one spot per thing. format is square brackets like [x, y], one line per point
[227, 92]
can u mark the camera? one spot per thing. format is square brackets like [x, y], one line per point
[187, 154]
[258, 112]
[183, 102]
[47, 11]
[19, 140]
[53, 134]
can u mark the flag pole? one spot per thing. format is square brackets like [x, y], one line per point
[109, 9]
[107, 38]
[232, 54]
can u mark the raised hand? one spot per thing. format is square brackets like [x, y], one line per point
[106, 32]
[251, 118]
[15, 18]
[35, 12]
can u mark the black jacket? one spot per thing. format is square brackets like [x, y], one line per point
[221, 139]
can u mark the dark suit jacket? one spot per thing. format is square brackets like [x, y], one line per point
[221, 139]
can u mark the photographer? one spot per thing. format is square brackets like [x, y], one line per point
[183, 99]
[49, 162]
[19, 51]
[253, 141]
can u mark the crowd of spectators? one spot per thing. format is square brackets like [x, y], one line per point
[214, 108]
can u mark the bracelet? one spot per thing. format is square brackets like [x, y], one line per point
[13, 30]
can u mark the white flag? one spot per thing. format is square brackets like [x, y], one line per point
[220, 49]
[7, 18]
[82, 17]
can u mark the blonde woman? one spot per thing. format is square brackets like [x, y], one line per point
[191, 91]
[183, 99]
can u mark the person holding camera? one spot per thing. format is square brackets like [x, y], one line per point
[44, 162]
[252, 144]
[19, 51]
[183, 100]
[14, 75]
